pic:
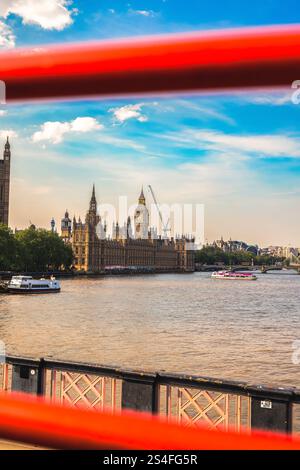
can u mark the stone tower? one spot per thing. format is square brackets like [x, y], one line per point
[52, 224]
[4, 184]
[141, 218]
[92, 241]
[66, 228]
[91, 217]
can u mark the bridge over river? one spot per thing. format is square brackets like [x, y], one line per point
[241, 267]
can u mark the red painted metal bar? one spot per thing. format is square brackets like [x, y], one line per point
[215, 60]
[30, 420]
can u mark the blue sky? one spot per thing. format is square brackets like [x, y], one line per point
[238, 154]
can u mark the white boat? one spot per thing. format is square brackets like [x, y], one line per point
[233, 276]
[28, 285]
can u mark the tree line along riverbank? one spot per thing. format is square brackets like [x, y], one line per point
[212, 255]
[33, 250]
[36, 251]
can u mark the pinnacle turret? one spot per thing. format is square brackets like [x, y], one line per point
[142, 199]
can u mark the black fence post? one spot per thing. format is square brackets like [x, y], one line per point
[140, 392]
[271, 411]
[28, 376]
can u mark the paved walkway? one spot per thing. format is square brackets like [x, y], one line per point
[8, 445]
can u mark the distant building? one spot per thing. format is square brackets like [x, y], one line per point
[274, 250]
[52, 224]
[282, 252]
[232, 246]
[291, 253]
[142, 250]
[4, 184]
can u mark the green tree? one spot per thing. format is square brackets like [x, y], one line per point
[213, 255]
[41, 250]
[210, 255]
[8, 249]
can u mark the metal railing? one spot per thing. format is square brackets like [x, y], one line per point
[189, 400]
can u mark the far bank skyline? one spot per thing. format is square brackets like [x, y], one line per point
[44, 184]
[238, 154]
[42, 220]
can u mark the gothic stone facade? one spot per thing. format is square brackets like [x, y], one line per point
[4, 184]
[95, 252]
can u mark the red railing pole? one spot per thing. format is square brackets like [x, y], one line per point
[214, 60]
[30, 420]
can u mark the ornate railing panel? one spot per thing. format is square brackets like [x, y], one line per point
[5, 377]
[192, 407]
[84, 390]
[296, 419]
[189, 400]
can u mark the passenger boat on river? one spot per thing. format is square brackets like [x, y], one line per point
[233, 276]
[28, 285]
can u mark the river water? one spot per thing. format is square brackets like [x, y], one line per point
[173, 322]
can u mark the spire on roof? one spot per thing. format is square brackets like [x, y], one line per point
[7, 144]
[93, 201]
[142, 199]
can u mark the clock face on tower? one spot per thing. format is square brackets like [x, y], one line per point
[141, 221]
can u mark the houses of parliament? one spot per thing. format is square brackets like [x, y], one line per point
[133, 247]
[130, 248]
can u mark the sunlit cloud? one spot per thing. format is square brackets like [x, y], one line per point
[279, 98]
[129, 111]
[145, 13]
[54, 131]
[7, 37]
[203, 111]
[4, 133]
[270, 145]
[48, 14]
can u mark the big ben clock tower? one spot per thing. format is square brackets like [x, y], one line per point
[141, 218]
[4, 184]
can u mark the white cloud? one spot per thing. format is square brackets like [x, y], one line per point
[3, 112]
[130, 111]
[218, 181]
[146, 13]
[121, 143]
[273, 145]
[54, 131]
[48, 14]
[272, 99]
[203, 111]
[85, 124]
[7, 133]
[7, 38]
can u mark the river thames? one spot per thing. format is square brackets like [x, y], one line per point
[173, 322]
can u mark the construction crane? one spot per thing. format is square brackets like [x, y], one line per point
[165, 227]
